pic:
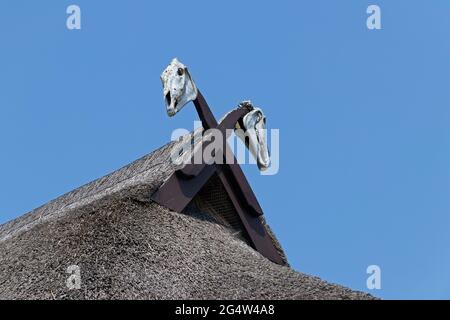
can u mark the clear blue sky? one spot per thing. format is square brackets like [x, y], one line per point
[363, 116]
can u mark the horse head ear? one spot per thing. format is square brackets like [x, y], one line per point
[188, 75]
[247, 104]
[191, 88]
[253, 123]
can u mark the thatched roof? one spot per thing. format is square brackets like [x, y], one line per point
[128, 247]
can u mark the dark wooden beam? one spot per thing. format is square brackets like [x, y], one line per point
[182, 186]
[204, 112]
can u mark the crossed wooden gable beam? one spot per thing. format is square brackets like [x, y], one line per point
[184, 184]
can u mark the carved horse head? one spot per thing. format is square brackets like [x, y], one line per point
[179, 88]
[251, 129]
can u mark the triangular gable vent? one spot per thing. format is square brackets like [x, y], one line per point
[214, 201]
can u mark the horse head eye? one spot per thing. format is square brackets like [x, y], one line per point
[180, 71]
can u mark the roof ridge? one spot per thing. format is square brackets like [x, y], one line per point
[135, 173]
